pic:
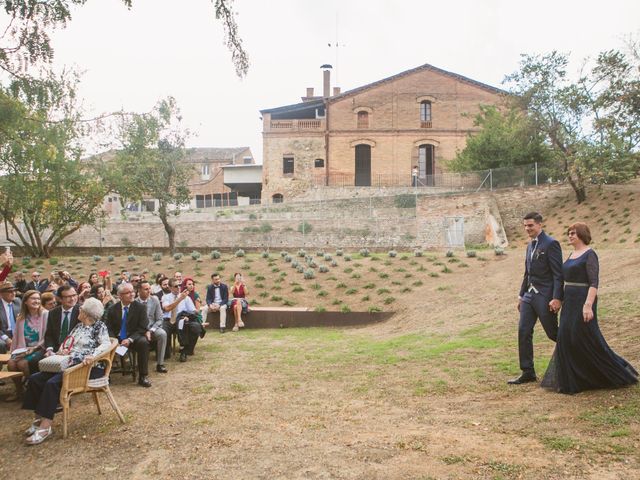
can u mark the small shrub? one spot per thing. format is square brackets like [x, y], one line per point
[417, 283]
[351, 291]
[348, 270]
[374, 309]
[405, 200]
[328, 257]
[323, 269]
[253, 216]
[239, 253]
[309, 274]
[356, 275]
[471, 254]
[26, 260]
[406, 290]
[156, 257]
[339, 253]
[215, 255]
[288, 258]
[366, 298]
[319, 253]
[454, 260]
[284, 253]
[382, 291]
[131, 258]
[302, 253]
[499, 251]
[259, 285]
[294, 264]
[446, 270]
[195, 255]
[315, 286]
[305, 227]
[393, 253]
[334, 263]
[288, 303]
[264, 295]
[433, 274]
[449, 254]
[336, 302]
[53, 261]
[96, 258]
[276, 298]
[297, 288]
[320, 309]
[345, 309]
[265, 227]
[177, 256]
[341, 285]
[383, 275]
[347, 258]
[389, 300]
[364, 252]
[264, 254]
[313, 264]
[369, 286]
[110, 258]
[323, 293]
[417, 252]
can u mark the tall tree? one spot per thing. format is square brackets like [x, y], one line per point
[150, 163]
[46, 191]
[591, 124]
[507, 138]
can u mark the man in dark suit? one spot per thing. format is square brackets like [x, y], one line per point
[217, 299]
[127, 321]
[36, 283]
[61, 319]
[9, 310]
[541, 293]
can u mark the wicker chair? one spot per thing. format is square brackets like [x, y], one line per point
[76, 380]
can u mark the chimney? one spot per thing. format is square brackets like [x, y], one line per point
[336, 91]
[326, 77]
[309, 92]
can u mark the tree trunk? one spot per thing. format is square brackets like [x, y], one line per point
[171, 231]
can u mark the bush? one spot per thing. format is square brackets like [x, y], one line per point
[364, 252]
[265, 227]
[264, 254]
[319, 253]
[288, 258]
[284, 253]
[417, 252]
[309, 274]
[305, 227]
[96, 258]
[323, 269]
[393, 253]
[347, 258]
[177, 256]
[300, 269]
[294, 264]
[374, 309]
[111, 258]
[26, 260]
[320, 309]
[131, 258]
[334, 263]
[327, 257]
[253, 216]
[339, 253]
[313, 264]
[449, 254]
[195, 255]
[471, 254]
[405, 200]
[301, 253]
[389, 300]
[156, 257]
[499, 251]
[345, 309]
[53, 261]
[215, 255]
[239, 253]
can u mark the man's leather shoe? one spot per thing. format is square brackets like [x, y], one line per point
[524, 378]
[144, 382]
[222, 330]
[161, 369]
[183, 357]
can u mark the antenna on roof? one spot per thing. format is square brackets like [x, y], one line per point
[337, 46]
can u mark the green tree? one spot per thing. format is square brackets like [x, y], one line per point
[590, 124]
[46, 191]
[150, 163]
[507, 138]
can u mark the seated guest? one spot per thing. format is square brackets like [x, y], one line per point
[189, 285]
[9, 311]
[217, 299]
[176, 306]
[157, 287]
[31, 325]
[124, 278]
[103, 294]
[155, 332]
[6, 261]
[61, 319]
[239, 304]
[21, 284]
[48, 300]
[135, 281]
[93, 279]
[36, 283]
[85, 292]
[127, 320]
[43, 389]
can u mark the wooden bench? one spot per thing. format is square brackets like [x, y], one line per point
[9, 375]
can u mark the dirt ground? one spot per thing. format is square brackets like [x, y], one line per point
[421, 396]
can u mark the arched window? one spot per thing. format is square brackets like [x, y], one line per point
[277, 198]
[363, 119]
[425, 114]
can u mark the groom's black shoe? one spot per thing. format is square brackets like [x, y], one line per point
[524, 378]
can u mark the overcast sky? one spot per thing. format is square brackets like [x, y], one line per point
[131, 58]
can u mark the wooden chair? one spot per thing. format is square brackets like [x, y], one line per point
[76, 380]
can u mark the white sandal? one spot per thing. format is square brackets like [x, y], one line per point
[39, 436]
[34, 426]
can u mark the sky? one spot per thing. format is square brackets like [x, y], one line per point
[131, 58]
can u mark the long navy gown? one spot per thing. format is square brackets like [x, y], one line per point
[582, 359]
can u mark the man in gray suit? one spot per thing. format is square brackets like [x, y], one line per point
[154, 329]
[9, 310]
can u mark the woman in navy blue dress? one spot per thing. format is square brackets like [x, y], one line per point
[582, 359]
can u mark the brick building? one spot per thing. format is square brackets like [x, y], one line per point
[371, 135]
